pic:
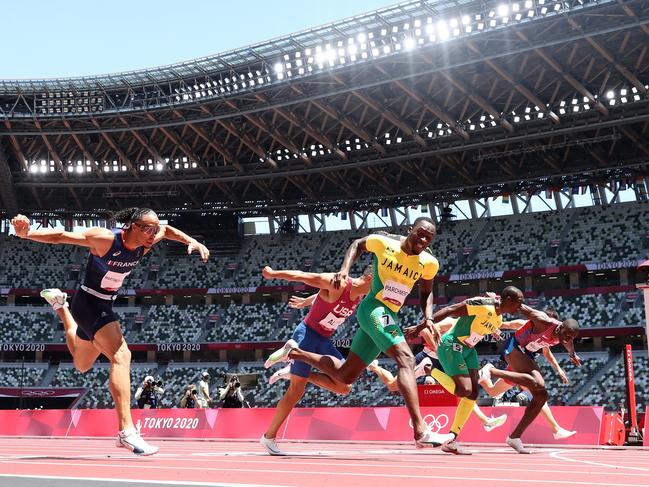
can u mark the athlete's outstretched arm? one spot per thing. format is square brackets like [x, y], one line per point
[426, 298]
[168, 232]
[320, 280]
[513, 324]
[97, 239]
[570, 347]
[354, 251]
[549, 356]
[536, 316]
[453, 311]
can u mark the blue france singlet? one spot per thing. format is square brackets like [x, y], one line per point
[106, 274]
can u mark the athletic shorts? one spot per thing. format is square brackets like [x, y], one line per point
[456, 358]
[378, 330]
[436, 363]
[511, 344]
[91, 314]
[310, 340]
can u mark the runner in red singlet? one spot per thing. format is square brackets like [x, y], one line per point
[329, 310]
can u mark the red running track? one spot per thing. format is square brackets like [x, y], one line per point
[190, 462]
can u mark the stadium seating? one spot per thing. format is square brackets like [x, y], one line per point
[254, 322]
[31, 325]
[592, 310]
[610, 234]
[25, 375]
[610, 388]
[172, 324]
[514, 242]
[27, 264]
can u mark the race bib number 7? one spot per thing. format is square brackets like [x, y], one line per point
[387, 320]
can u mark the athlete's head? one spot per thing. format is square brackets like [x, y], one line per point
[568, 330]
[511, 299]
[551, 312]
[420, 235]
[142, 224]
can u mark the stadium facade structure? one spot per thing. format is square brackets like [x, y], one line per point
[428, 101]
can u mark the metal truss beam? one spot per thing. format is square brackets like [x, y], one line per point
[570, 79]
[7, 190]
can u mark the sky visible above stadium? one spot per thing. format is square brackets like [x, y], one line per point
[62, 38]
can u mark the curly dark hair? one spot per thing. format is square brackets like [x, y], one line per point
[129, 215]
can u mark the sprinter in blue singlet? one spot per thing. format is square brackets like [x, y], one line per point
[91, 325]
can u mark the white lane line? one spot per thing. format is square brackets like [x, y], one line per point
[499, 479]
[179, 483]
[557, 455]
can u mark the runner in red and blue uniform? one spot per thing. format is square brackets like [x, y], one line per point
[330, 308]
[539, 332]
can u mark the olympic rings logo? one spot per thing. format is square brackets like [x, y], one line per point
[37, 393]
[434, 424]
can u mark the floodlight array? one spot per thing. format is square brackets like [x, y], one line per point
[69, 102]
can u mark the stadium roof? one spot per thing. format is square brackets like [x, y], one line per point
[424, 101]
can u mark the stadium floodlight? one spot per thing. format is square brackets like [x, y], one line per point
[279, 67]
[610, 94]
[409, 43]
[442, 30]
[503, 10]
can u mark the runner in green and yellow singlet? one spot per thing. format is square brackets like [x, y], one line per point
[399, 263]
[478, 317]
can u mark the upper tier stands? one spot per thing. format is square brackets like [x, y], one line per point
[530, 240]
[28, 325]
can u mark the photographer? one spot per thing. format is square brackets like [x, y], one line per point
[231, 394]
[190, 399]
[204, 398]
[148, 393]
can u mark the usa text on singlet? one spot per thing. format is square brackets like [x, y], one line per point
[325, 318]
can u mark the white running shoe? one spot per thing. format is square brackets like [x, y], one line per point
[132, 440]
[485, 373]
[433, 440]
[283, 373]
[517, 445]
[280, 355]
[271, 446]
[420, 369]
[454, 447]
[493, 423]
[563, 434]
[55, 297]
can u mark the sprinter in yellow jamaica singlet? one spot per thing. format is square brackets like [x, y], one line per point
[399, 263]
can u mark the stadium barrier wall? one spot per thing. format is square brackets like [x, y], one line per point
[339, 424]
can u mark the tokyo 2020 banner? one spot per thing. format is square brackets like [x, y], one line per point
[340, 424]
